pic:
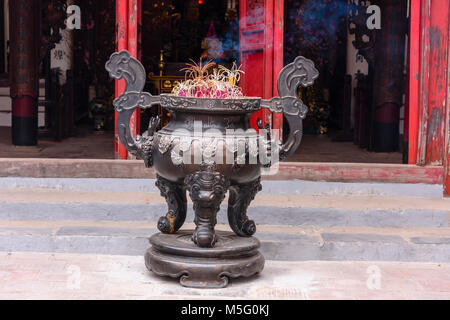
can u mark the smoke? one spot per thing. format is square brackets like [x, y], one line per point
[230, 42]
[312, 27]
[311, 30]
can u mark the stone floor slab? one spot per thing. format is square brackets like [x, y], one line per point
[83, 276]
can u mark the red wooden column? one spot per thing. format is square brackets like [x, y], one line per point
[413, 80]
[447, 120]
[278, 47]
[128, 23]
[24, 73]
[429, 85]
[435, 16]
[447, 130]
[134, 16]
[122, 44]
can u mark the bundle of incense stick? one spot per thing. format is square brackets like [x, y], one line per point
[199, 83]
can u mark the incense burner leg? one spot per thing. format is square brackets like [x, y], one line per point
[175, 195]
[240, 197]
[207, 190]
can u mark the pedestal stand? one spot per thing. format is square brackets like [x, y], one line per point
[176, 256]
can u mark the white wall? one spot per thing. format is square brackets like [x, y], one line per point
[6, 110]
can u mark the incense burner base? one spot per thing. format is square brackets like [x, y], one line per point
[177, 256]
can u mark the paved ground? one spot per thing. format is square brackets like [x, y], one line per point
[323, 149]
[75, 276]
[86, 144]
[91, 145]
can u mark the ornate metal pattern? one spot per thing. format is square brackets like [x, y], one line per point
[181, 103]
[165, 142]
[175, 195]
[172, 102]
[242, 104]
[132, 99]
[122, 65]
[209, 149]
[240, 198]
[207, 190]
[240, 146]
[300, 72]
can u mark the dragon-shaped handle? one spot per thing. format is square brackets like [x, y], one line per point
[300, 72]
[122, 65]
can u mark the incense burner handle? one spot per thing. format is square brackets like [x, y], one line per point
[122, 65]
[301, 72]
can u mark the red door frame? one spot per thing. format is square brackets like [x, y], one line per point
[429, 81]
[122, 44]
[128, 21]
[413, 80]
[134, 23]
[278, 48]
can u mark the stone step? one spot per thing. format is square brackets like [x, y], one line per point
[293, 187]
[297, 210]
[287, 243]
[280, 203]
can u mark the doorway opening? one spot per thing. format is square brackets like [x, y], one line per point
[358, 104]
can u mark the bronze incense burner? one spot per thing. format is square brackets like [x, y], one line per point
[208, 149]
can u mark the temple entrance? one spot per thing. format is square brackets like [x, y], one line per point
[357, 109]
